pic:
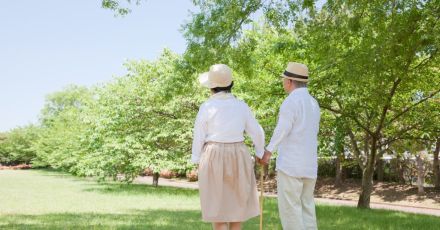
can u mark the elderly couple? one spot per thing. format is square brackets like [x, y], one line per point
[228, 191]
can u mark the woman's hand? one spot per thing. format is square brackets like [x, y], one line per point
[266, 158]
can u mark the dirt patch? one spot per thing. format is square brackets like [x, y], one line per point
[392, 196]
[15, 167]
[383, 192]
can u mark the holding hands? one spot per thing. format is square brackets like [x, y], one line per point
[265, 159]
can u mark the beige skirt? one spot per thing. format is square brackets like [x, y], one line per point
[228, 190]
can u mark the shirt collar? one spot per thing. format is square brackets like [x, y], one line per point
[221, 95]
[299, 91]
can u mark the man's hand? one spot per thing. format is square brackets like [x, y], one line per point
[266, 158]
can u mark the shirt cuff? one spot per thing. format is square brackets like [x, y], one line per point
[259, 152]
[270, 148]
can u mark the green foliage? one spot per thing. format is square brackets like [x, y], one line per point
[373, 64]
[373, 67]
[16, 146]
[141, 120]
[116, 6]
[62, 128]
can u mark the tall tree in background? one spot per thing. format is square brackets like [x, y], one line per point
[60, 142]
[373, 63]
[436, 164]
[16, 146]
[143, 120]
[376, 63]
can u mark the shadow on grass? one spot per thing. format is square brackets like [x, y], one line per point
[337, 217]
[57, 174]
[137, 219]
[388, 191]
[157, 219]
[139, 189]
[118, 187]
[404, 192]
[329, 217]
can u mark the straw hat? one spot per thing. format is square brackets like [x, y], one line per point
[296, 71]
[219, 75]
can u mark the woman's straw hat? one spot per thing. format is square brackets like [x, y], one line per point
[219, 75]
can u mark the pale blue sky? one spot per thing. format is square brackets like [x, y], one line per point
[46, 45]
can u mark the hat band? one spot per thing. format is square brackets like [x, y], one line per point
[289, 74]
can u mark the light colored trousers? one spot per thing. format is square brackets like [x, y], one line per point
[295, 202]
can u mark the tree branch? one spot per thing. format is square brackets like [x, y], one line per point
[329, 108]
[411, 107]
[387, 106]
[357, 152]
[399, 135]
[164, 114]
[425, 61]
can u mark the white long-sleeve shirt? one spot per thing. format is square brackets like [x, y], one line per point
[296, 135]
[223, 118]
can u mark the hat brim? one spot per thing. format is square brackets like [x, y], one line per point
[293, 78]
[204, 80]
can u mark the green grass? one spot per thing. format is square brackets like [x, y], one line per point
[38, 199]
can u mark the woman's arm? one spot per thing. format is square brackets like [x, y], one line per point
[199, 135]
[256, 132]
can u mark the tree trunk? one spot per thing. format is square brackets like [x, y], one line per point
[420, 175]
[367, 177]
[155, 179]
[339, 159]
[367, 187]
[401, 170]
[436, 165]
[380, 169]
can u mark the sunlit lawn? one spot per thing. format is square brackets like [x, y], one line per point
[38, 199]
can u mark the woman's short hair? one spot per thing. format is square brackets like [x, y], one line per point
[223, 89]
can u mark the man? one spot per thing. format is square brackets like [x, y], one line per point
[295, 138]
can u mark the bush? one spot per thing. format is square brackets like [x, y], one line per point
[192, 175]
[350, 168]
[16, 146]
[326, 167]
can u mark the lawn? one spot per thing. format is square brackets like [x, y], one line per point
[38, 199]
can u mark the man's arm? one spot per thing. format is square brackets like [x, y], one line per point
[284, 126]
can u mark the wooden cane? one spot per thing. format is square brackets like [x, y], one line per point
[261, 196]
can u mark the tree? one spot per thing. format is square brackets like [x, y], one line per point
[372, 63]
[142, 120]
[436, 165]
[16, 145]
[378, 66]
[60, 143]
[3, 151]
[339, 143]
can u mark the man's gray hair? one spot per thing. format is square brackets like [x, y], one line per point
[299, 84]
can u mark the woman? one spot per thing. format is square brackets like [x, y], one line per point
[228, 191]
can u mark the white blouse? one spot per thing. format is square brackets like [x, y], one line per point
[223, 118]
